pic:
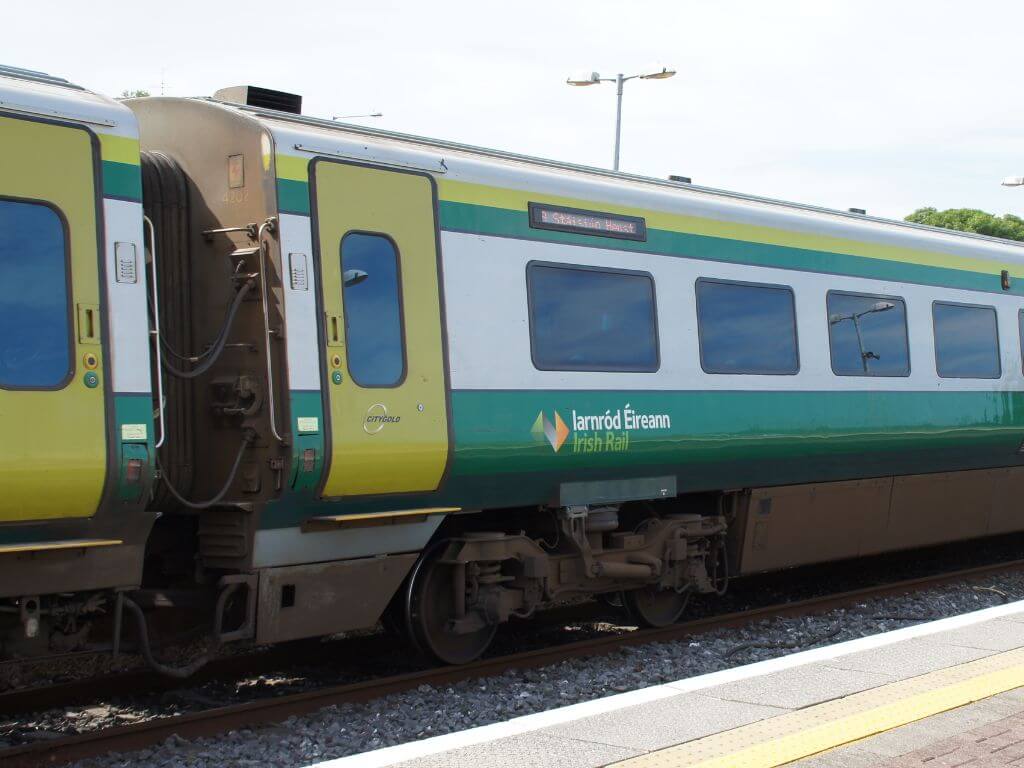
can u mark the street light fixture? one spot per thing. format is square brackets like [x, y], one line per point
[593, 78]
[878, 306]
[1013, 181]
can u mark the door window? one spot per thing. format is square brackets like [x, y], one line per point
[35, 314]
[371, 295]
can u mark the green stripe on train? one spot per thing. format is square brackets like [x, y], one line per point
[486, 220]
[724, 439]
[307, 411]
[135, 410]
[122, 180]
[293, 197]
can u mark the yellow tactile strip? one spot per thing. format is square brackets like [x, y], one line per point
[795, 735]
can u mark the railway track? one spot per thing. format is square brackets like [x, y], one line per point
[218, 720]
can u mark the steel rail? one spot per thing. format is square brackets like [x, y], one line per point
[254, 713]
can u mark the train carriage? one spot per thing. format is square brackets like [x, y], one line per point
[76, 427]
[411, 379]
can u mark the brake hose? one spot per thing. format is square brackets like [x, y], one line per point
[147, 652]
[247, 440]
[213, 353]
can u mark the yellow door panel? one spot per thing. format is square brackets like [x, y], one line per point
[384, 353]
[52, 410]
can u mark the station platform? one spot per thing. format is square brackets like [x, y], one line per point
[945, 693]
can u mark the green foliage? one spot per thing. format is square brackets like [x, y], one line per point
[1007, 226]
[134, 94]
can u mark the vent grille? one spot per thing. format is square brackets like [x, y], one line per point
[264, 98]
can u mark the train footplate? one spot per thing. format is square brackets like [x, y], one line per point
[50, 546]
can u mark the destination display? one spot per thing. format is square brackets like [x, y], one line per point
[587, 222]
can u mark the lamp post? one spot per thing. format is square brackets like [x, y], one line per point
[593, 78]
[878, 306]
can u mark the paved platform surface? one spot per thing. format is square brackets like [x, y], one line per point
[986, 733]
[942, 694]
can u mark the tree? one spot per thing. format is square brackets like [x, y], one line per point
[1008, 226]
[134, 94]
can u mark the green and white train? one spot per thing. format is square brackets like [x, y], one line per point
[380, 376]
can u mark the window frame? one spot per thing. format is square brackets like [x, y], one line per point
[935, 339]
[906, 334]
[700, 331]
[530, 265]
[401, 307]
[69, 299]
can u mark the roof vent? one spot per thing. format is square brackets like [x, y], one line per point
[254, 96]
[680, 179]
[861, 211]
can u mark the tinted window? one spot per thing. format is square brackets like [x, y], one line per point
[966, 341]
[746, 328]
[373, 314]
[1020, 327]
[591, 320]
[35, 345]
[868, 335]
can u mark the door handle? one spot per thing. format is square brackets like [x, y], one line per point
[88, 324]
[335, 328]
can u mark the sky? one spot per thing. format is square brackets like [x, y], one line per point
[887, 105]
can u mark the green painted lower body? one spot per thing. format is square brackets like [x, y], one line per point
[732, 439]
[305, 473]
[715, 440]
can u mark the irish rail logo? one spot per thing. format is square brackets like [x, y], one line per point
[607, 432]
[555, 433]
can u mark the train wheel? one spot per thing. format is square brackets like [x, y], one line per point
[653, 607]
[430, 607]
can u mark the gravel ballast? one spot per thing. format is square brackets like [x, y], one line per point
[348, 729]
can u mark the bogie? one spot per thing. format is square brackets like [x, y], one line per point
[466, 585]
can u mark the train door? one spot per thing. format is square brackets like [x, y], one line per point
[383, 345]
[53, 408]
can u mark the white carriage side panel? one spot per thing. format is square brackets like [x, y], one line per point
[300, 302]
[487, 309]
[127, 283]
